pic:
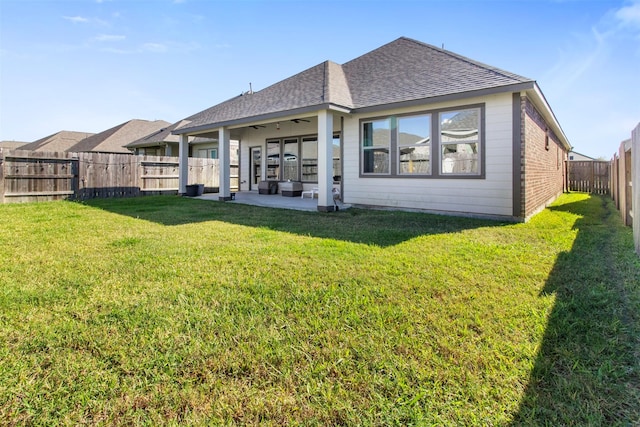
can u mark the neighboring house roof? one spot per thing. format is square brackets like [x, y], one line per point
[115, 139]
[59, 141]
[202, 140]
[160, 136]
[12, 145]
[575, 156]
[399, 72]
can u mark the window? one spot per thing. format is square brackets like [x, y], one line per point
[310, 159]
[290, 160]
[376, 143]
[273, 160]
[414, 145]
[296, 159]
[429, 144]
[208, 153]
[460, 142]
[337, 165]
[151, 151]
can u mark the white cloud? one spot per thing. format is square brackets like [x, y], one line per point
[109, 38]
[154, 47]
[629, 16]
[117, 51]
[76, 19]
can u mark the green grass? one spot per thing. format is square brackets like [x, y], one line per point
[168, 310]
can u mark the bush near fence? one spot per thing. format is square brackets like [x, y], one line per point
[28, 176]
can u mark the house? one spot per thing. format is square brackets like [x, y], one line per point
[12, 145]
[574, 156]
[163, 143]
[115, 139]
[158, 143]
[405, 126]
[59, 141]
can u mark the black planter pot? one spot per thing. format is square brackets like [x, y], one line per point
[194, 190]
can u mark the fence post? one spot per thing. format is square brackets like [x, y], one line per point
[635, 186]
[1, 176]
[75, 181]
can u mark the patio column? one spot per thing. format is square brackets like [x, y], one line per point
[183, 164]
[325, 161]
[224, 158]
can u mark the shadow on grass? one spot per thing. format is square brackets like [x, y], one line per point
[382, 228]
[587, 370]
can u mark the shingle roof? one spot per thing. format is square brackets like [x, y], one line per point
[59, 141]
[12, 145]
[114, 140]
[406, 70]
[302, 90]
[400, 71]
[162, 135]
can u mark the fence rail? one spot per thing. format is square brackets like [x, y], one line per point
[28, 176]
[589, 177]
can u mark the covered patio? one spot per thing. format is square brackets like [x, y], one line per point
[273, 201]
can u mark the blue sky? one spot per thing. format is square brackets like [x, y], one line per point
[88, 65]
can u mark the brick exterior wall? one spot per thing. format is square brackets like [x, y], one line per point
[542, 161]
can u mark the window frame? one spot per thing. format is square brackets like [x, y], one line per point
[309, 169]
[435, 144]
[284, 159]
[373, 148]
[399, 146]
[301, 139]
[479, 142]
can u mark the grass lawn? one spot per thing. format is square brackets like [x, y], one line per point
[168, 310]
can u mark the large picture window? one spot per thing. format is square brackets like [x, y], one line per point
[431, 144]
[414, 145]
[376, 144]
[460, 142]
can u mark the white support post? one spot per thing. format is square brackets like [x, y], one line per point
[225, 168]
[183, 164]
[325, 161]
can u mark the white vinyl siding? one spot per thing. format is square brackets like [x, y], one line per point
[491, 195]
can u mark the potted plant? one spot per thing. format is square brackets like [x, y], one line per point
[194, 190]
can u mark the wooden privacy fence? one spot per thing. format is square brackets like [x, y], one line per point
[589, 176]
[28, 176]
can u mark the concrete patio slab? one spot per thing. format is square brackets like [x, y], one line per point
[272, 201]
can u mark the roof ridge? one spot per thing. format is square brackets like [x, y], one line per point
[337, 85]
